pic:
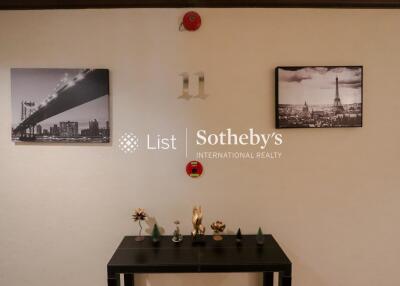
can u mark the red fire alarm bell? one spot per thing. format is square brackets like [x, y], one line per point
[194, 169]
[191, 21]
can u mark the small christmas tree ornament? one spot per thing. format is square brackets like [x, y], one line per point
[139, 215]
[260, 238]
[239, 236]
[218, 227]
[177, 237]
[155, 234]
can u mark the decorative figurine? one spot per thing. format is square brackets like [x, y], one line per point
[239, 236]
[139, 215]
[218, 227]
[155, 234]
[198, 229]
[260, 238]
[177, 237]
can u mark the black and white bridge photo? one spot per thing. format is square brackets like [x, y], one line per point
[60, 105]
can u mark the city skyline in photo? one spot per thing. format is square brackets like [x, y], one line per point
[67, 103]
[319, 97]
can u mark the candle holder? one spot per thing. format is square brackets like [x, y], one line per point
[177, 237]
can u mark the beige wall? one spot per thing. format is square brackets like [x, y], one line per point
[331, 201]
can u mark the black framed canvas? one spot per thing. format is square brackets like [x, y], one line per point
[55, 105]
[319, 96]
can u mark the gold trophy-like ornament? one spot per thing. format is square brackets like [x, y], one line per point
[198, 229]
[218, 227]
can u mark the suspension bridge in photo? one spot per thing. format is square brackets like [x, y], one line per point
[86, 86]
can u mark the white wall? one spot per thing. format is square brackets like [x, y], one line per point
[331, 201]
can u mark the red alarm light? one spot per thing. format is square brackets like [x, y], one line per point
[191, 21]
[194, 169]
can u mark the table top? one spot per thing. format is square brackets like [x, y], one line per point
[212, 256]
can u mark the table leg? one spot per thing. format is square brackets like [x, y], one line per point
[113, 279]
[285, 279]
[268, 278]
[129, 279]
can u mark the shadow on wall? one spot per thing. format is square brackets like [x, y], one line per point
[151, 221]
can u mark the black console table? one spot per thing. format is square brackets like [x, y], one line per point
[224, 256]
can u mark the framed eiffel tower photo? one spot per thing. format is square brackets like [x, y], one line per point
[319, 96]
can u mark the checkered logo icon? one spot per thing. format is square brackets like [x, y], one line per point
[128, 143]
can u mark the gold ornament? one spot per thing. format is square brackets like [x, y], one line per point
[198, 228]
[218, 227]
[139, 215]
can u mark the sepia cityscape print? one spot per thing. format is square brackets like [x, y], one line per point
[60, 105]
[317, 97]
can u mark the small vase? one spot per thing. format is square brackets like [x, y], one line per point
[140, 237]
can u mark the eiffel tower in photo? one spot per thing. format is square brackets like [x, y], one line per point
[337, 104]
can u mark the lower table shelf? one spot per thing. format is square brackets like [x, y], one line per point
[133, 257]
